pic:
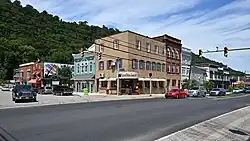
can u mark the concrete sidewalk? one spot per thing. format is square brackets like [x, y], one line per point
[233, 126]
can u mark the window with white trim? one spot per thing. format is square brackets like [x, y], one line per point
[148, 47]
[134, 64]
[116, 44]
[142, 64]
[138, 44]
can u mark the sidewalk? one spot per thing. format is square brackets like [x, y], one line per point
[233, 126]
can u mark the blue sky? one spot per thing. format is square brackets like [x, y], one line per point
[198, 23]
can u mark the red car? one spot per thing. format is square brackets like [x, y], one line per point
[176, 93]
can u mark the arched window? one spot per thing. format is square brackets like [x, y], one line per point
[153, 66]
[134, 64]
[148, 65]
[90, 67]
[158, 66]
[173, 53]
[177, 54]
[169, 52]
[163, 67]
[142, 64]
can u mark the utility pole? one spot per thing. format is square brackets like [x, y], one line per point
[117, 77]
[189, 75]
[150, 85]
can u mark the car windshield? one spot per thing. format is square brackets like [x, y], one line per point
[174, 90]
[195, 88]
[24, 87]
[216, 89]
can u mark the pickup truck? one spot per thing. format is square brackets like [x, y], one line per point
[23, 92]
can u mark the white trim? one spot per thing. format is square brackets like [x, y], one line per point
[105, 79]
[26, 64]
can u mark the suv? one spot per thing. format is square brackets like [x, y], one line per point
[197, 92]
[45, 90]
[21, 92]
[218, 92]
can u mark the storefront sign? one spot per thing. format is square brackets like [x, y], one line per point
[128, 75]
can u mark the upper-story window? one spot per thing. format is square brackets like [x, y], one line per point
[134, 64]
[173, 53]
[138, 44]
[82, 68]
[109, 64]
[156, 49]
[169, 67]
[78, 68]
[177, 54]
[169, 52]
[177, 68]
[142, 64]
[153, 66]
[116, 44]
[163, 67]
[101, 48]
[120, 63]
[163, 51]
[90, 66]
[101, 65]
[148, 65]
[86, 67]
[148, 47]
[158, 66]
[173, 68]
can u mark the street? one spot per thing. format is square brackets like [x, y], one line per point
[147, 119]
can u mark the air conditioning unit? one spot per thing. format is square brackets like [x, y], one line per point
[102, 75]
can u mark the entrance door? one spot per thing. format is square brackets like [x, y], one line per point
[91, 88]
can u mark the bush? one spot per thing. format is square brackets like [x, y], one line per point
[230, 89]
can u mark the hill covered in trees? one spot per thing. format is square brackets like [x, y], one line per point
[196, 60]
[26, 34]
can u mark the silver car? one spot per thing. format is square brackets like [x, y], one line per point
[197, 92]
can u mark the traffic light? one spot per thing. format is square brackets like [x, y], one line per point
[100, 56]
[81, 52]
[225, 51]
[200, 53]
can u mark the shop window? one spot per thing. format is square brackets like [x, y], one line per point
[101, 65]
[153, 66]
[161, 84]
[174, 83]
[154, 84]
[147, 84]
[113, 84]
[104, 84]
[134, 64]
[148, 65]
[142, 64]
[158, 66]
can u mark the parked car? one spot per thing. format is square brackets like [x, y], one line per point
[23, 92]
[45, 90]
[62, 90]
[5, 88]
[237, 90]
[197, 92]
[246, 90]
[218, 92]
[176, 93]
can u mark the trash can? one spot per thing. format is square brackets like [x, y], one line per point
[86, 91]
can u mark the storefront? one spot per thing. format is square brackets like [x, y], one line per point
[82, 82]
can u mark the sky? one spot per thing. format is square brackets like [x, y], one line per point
[203, 24]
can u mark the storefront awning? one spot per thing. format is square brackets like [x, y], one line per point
[153, 79]
[83, 77]
[32, 81]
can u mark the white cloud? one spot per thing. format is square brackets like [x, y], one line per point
[205, 29]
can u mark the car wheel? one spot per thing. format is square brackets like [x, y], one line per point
[166, 97]
[16, 101]
[185, 96]
[13, 99]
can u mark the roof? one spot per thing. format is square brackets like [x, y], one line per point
[26, 64]
[84, 77]
[198, 70]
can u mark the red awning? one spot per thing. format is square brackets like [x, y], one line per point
[33, 73]
[32, 81]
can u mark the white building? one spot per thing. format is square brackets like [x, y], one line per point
[186, 58]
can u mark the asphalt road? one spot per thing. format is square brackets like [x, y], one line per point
[111, 121]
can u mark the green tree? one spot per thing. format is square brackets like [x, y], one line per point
[208, 85]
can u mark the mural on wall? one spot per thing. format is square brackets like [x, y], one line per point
[52, 68]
